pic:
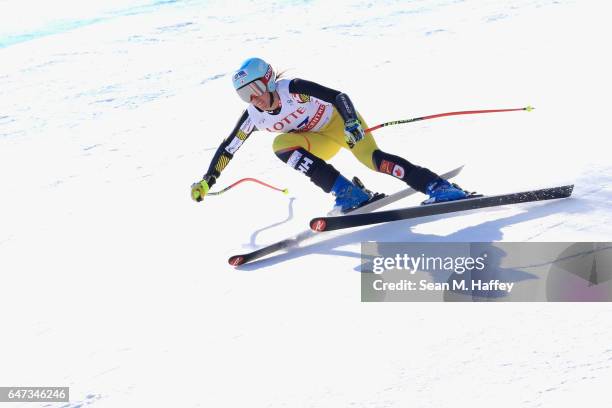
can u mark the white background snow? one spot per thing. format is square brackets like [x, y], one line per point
[115, 283]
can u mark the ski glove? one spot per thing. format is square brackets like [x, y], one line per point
[353, 132]
[199, 190]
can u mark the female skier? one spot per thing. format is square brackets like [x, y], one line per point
[314, 123]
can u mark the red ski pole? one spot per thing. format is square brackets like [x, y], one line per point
[282, 190]
[439, 115]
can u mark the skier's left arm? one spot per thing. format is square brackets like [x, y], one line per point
[341, 101]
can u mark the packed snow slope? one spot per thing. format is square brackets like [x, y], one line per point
[116, 284]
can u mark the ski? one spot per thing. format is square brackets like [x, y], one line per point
[237, 260]
[357, 220]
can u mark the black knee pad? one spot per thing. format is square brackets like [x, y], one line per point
[320, 173]
[415, 176]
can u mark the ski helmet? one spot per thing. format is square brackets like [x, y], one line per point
[254, 77]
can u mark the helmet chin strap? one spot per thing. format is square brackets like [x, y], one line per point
[272, 103]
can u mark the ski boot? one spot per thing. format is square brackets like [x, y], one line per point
[373, 196]
[441, 190]
[350, 196]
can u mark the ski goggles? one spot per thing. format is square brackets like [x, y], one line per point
[254, 88]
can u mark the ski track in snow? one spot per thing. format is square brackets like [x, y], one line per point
[116, 284]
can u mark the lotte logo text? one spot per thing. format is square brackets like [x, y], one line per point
[287, 120]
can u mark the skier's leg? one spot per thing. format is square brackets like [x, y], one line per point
[420, 178]
[368, 153]
[307, 152]
[415, 176]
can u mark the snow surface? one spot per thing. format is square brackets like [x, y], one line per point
[116, 284]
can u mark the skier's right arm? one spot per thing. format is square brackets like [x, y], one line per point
[243, 129]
